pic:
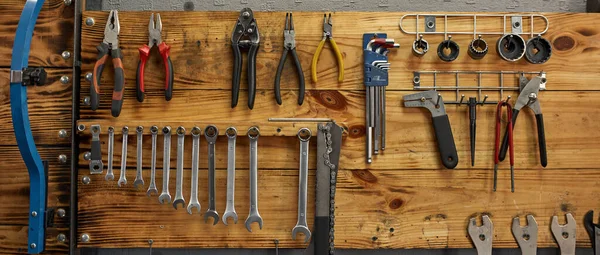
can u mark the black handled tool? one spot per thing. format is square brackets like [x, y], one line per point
[245, 36]
[289, 47]
[593, 231]
[441, 124]
[472, 103]
[529, 98]
[109, 47]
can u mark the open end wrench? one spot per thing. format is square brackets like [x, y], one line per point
[179, 177]
[526, 236]
[253, 216]
[211, 132]
[152, 187]
[565, 234]
[195, 155]
[482, 237]
[165, 197]
[304, 135]
[231, 133]
[139, 180]
[111, 143]
[96, 166]
[122, 177]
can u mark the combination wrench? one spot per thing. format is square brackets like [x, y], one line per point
[179, 178]
[152, 187]
[231, 133]
[139, 180]
[165, 197]
[253, 216]
[211, 132]
[304, 135]
[195, 155]
[123, 178]
[111, 143]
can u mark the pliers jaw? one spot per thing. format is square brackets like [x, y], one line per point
[112, 30]
[327, 27]
[154, 31]
[289, 34]
[245, 28]
[529, 95]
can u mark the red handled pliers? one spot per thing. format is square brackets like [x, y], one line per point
[155, 39]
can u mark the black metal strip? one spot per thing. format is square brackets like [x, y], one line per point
[74, 136]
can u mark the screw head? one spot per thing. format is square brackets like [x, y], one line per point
[61, 237]
[62, 133]
[87, 101]
[64, 79]
[250, 30]
[88, 76]
[81, 127]
[61, 213]
[32, 245]
[66, 55]
[85, 238]
[246, 14]
[87, 155]
[34, 213]
[62, 158]
[89, 21]
[68, 2]
[86, 180]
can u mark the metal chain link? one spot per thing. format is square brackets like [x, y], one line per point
[329, 148]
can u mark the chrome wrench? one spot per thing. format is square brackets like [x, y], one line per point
[195, 155]
[111, 143]
[526, 236]
[165, 197]
[123, 178]
[179, 177]
[231, 133]
[253, 216]
[139, 180]
[304, 135]
[482, 236]
[152, 187]
[211, 132]
[565, 235]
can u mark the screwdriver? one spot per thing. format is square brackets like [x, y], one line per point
[472, 103]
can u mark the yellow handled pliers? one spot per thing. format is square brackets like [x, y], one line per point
[327, 28]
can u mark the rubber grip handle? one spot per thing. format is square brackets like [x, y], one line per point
[445, 141]
[237, 72]
[504, 146]
[252, 52]
[340, 59]
[300, 77]
[117, 98]
[588, 223]
[321, 235]
[315, 60]
[541, 139]
[278, 76]
[165, 51]
[97, 75]
[139, 86]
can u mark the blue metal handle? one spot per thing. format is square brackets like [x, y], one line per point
[20, 118]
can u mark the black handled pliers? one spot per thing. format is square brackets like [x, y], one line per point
[245, 36]
[528, 97]
[289, 46]
[593, 231]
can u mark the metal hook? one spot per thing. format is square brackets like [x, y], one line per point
[462, 97]
[508, 99]
[484, 99]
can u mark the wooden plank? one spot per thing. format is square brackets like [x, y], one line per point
[53, 33]
[49, 109]
[374, 209]
[411, 143]
[14, 240]
[200, 50]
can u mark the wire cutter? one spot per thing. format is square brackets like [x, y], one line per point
[109, 47]
[155, 39]
[327, 34]
[509, 131]
[529, 98]
[245, 35]
[289, 47]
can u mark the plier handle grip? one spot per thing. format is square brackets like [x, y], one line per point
[289, 47]
[509, 132]
[327, 34]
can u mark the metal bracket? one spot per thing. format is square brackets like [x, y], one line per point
[16, 76]
[429, 23]
[517, 24]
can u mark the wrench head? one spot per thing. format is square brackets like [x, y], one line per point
[109, 177]
[229, 214]
[482, 235]
[301, 229]
[193, 205]
[179, 201]
[122, 182]
[164, 198]
[137, 183]
[151, 190]
[565, 234]
[251, 219]
[526, 236]
[211, 213]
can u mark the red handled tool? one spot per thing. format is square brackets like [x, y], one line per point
[109, 47]
[155, 39]
[509, 132]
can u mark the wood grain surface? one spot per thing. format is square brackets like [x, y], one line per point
[404, 199]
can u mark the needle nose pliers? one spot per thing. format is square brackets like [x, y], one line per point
[109, 47]
[245, 35]
[289, 47]
[155, 39]
[327, 34]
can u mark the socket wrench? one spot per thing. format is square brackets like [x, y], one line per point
[165, 197]
[195, 155]
[211, 132]
[231, 133]
[253, 216]
[179, 178]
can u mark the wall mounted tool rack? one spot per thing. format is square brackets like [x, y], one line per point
[479, 88]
